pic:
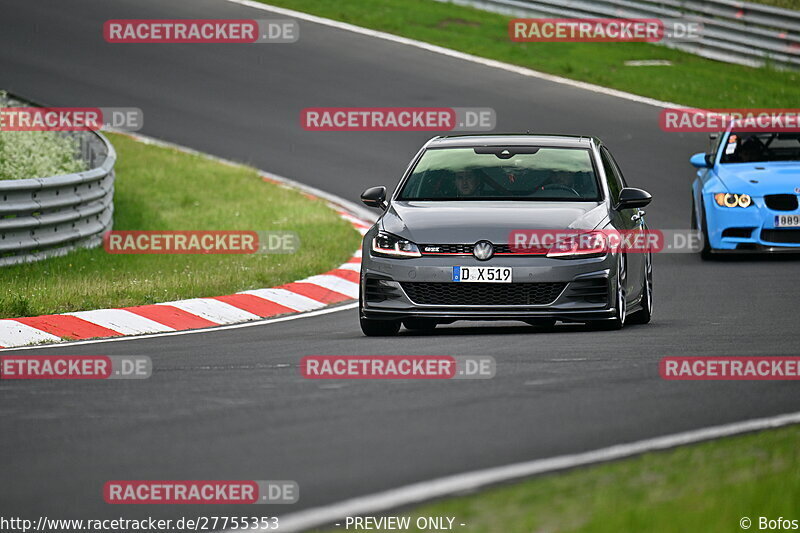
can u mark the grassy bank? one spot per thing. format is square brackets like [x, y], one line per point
[705, 488]
[690, 80]
[163, 189]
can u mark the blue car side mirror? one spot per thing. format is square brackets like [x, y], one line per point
[701, 160]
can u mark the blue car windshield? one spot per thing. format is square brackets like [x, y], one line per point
[503, 173]
[761, 147]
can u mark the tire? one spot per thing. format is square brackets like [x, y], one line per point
[419, 324]
[705, 253]
[379, 328]
[618, 322]
[643, 315]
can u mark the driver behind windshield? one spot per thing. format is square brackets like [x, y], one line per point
[468, 183]
[751, 150]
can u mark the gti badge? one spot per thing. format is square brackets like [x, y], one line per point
[483, 250]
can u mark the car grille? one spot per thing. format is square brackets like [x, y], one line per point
[787, 236]
[781, 202]
[466, 249]
[479, 294]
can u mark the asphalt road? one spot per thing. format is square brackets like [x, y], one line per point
[230, 404]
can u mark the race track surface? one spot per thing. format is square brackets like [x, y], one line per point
[231, 404]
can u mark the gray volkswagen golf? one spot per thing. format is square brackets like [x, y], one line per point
[505, 227]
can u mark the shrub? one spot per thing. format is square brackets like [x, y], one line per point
[36, 154]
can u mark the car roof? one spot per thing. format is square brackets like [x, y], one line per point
[511, 139]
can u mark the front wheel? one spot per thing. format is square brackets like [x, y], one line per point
[620, 306]
[643, 315]
[705, 253]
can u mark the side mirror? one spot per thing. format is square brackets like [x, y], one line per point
[701, 160]
[374, 197]
[630, 198]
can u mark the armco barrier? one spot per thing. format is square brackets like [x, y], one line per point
[43, 217]
[733, 31]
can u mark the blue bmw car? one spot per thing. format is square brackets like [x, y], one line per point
[745, 196]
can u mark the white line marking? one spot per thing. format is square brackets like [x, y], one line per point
[445, 486]
[295, 301]
[265, 322]
[334, 283]
[213, 310]
[122, 321]
[454, 53]
[15, 333]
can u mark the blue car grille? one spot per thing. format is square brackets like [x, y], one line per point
[784, 236]
[781, 202]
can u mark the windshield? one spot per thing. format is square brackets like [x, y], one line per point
[503, 173]
[761, 147]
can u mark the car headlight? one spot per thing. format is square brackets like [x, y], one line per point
[388, 245]
[726, 199]
[580, 246]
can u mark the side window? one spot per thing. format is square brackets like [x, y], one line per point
[612, 174]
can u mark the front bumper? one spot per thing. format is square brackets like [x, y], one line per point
[750, 229]
[588, 285]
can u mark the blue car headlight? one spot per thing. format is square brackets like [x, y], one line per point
[388, 245]
[726, 199]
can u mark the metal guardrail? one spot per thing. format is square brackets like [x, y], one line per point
[45, 217]
[735, 32]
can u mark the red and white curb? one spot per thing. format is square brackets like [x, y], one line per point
[309, 294]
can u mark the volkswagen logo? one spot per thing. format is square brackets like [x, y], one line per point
[483, 250]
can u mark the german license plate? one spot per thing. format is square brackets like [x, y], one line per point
[787, 221]
[478, 274]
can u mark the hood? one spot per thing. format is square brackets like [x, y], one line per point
[469, 222]
[780, 177]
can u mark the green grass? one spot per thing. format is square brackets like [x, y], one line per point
[164, 189]
[690, 81]
[704, 488]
